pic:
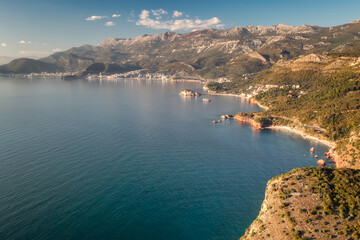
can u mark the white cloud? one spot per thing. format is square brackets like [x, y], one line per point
[177, 14]
[24, 42]
[158, 13]
[3, 45]
[109, 24]
[178, 24]
[144, 14]
[56, 50]
[116, 15]
[93, 18]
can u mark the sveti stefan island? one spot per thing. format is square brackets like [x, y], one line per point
[179, 120]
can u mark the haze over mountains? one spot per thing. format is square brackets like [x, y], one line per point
[206, 53]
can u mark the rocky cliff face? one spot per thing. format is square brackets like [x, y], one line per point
[249, 121]
[309, 203]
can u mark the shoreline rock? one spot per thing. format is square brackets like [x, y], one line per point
[321, 162]
[227, 116]
[190, 93]
[258, 123]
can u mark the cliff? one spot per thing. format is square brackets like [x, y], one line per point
[253, 120]
[310, 203]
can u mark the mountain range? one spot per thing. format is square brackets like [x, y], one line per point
[205, 53]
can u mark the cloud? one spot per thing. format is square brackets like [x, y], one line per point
[116, 15]
[178, 24]
[145, 14]
[177, 14]
[24, 42]
[3, 44]
[93, 18]
[56, 50]
[158, 13]
[109, 24]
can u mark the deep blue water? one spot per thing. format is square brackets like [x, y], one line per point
[132, 160]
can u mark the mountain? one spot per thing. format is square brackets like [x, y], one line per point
[212, 53]
[108, 68]
[26, 65]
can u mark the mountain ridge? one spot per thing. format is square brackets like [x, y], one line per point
[210, 52]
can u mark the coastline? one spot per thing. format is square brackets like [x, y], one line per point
[328, 143]
[331, 144]
[250, 100]
[187, 80]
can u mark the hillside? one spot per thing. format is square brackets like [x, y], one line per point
[317, 94]
[212, 53]
[310, 203]
[107, 68]
[26, 65]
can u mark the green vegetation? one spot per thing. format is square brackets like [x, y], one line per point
[339, 190]
[330, 101]
[26, 65]
[107, 68]
[322, 99]
[310, 203]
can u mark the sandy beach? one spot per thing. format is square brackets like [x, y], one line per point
[304, 135]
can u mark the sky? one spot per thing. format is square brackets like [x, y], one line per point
[38, 28]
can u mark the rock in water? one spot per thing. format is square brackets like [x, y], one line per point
[190, 93]
[321, 162]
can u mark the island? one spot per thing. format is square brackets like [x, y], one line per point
[190, 93]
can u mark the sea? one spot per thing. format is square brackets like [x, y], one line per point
[132, 159]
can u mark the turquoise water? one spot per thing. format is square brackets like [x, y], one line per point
[132, 160]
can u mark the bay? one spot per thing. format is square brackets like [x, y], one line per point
[132, 159]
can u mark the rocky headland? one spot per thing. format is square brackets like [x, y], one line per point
[309, 203]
